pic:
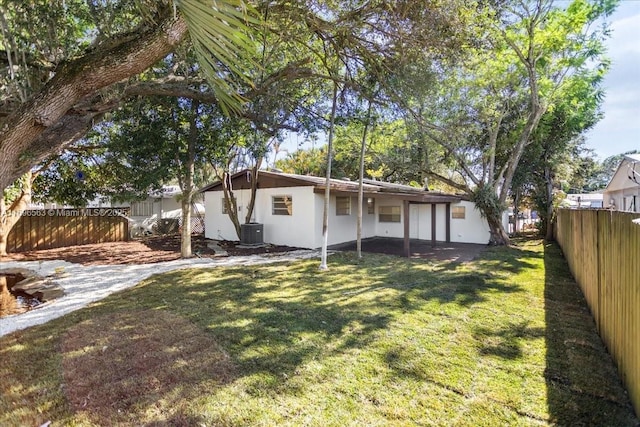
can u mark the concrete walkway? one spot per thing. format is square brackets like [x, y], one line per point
[86, 284]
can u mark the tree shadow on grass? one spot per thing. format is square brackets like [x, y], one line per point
[583, 387]
[505, 342]
[270, 320]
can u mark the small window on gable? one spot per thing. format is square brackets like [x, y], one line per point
[343, 205]
[224, 205]
[389, 213]
[371, 206]
[458, 212]
[281, 205]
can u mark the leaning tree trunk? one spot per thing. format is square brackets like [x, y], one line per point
[497, 234]
[43, 125]
[255, 170]
[6, 224]
[487, 201]
[75, 80]
[10, 215]
[230, 202]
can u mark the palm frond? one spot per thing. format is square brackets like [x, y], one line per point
[219, 31]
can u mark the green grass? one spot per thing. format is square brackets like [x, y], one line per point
[504, 340]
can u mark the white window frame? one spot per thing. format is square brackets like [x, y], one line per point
[458, 212]
[343, 205]
[371, 206]
[224, 205]
[282, 204]
[392, 213]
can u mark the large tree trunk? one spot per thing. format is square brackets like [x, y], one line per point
[516, 211]
[9, 215]
[185, 238]
[497, 234]
[187, 182]
[230, 202]
[327, 191]
[6, 224]
[487, 201]
[75, 80]
[363, 149]
[254, 190]
[549, 216]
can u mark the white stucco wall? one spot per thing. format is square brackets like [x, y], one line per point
[472, 229]
[623, 200]
[343, 228]
[389, 229]
[291, 230]
[304, 227]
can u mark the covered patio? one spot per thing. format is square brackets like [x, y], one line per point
[443, 251]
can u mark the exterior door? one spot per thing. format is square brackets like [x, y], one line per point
[414, 221]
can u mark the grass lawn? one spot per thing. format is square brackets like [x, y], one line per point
[503, 340]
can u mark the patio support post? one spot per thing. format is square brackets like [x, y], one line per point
[433, 225]
[407, 248]
[448, 221]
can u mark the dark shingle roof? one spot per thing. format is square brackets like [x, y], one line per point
[369, 186]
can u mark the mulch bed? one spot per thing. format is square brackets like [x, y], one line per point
[147, 250]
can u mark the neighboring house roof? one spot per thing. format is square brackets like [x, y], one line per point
[166, 192]
[271, 179]
[627, 175]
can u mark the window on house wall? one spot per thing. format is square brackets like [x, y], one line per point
[389, 214]
[629, 204]
[458, 212]
[371, 206]
[142, 208]
[343, 205]
[224, 205]
[281, 205]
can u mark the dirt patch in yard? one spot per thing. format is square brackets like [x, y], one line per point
[140, 368]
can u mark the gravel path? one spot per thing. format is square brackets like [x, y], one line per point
[86, 284]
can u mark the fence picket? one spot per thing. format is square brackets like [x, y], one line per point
[55, 228]
[602, 249]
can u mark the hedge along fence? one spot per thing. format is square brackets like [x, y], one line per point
[602, 249]
[55, 228]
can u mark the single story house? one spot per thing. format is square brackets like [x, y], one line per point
[291, 207]
[623, 191]
[161, 212]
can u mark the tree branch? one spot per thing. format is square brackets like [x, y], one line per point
[448, 181]
[98, 68]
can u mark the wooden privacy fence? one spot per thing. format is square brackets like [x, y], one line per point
[55, 228]
[602, 249]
